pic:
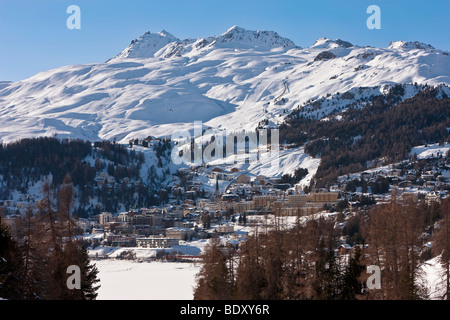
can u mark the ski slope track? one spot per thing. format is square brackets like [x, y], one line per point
[234, 81]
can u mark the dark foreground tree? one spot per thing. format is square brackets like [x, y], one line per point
[442, 246]
[40, 265]
[213, 281]
[10, 265]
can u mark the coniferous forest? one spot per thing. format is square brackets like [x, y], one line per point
[275, 262]
[384, 129]
[301, 263]
[27, 162]
[34, 261]
[35, 264]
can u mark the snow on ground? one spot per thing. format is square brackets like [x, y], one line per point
[144, 280]
[286, 161]
[423, 152]
[430, 151]
[433, 278]
[228, 85]
[192, 248]
[131, 280]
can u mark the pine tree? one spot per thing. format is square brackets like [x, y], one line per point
[48, 216]
[33, 252]
[75, 254]
[89, 272]
[66, 195]
[47, 254]
[393, 232]
[10, 265]
[250, 276]
[352, 285]
[326, 283]
[213, 280]
[442, 245]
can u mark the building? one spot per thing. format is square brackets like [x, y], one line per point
[296, 200]
[125, 216]
[157, 242]
[225, 229]
[121, 241]
[323, 197]
[243, 206]
[179, 233]
[11, 223]
[432, 197]
[344, 248]
[221, 176]
[264, 201]
[104, 218]
[243, 179]
[298, 211]
[146, 219]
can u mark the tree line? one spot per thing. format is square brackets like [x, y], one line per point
[34, 261]
[25, 162]
[384, 128]
[302, 262]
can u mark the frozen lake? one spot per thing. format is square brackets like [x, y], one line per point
[131, 280]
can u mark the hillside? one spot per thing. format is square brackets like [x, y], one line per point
[379, 130]
[233, 81]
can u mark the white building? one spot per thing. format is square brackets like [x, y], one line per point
[157, 242]
[104, 218]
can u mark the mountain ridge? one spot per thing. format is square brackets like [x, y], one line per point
[177, 82]
[151, 45]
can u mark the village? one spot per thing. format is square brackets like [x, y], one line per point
[225, 204]
[224, 213]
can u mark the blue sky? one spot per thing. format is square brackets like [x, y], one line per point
[34, 36]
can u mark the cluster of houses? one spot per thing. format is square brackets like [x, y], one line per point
[201, 213]
[429, 178]
[164, 227]
[159, 228]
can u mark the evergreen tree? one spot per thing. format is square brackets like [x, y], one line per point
[326, 283]
[66, 195]
[213, 280]
[10, 265]
[250, 276]
[75, 254]
[352, 286]
[33, 252]
[442, 246]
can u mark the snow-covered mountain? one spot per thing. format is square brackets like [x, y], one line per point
[164, 45]
[233, 81]
[147, 45]
[358, 97]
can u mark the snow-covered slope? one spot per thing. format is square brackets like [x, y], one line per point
[147, 45]
[233, 81]
[323, 107]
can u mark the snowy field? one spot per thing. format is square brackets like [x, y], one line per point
[433, 278]
[432, 150]
[134, 280]
[131, 280]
